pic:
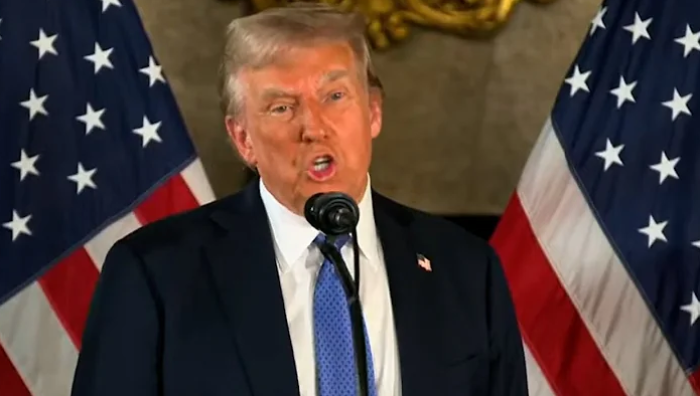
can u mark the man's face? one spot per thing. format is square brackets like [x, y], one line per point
[307, 124]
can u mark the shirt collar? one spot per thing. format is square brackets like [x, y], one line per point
[293, 235]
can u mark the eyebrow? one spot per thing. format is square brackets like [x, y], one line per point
[333, 75]
[275, 93]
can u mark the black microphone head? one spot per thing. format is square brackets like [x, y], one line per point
[333, 213]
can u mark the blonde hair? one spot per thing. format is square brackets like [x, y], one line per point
[257, 40]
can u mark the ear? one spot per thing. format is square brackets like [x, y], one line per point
[375, 111]
[240, 137]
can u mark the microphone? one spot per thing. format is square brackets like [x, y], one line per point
[335, 213]
[332, 213]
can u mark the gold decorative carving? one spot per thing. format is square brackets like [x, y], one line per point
[388, 20]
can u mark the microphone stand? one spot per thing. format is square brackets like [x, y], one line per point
[352, 292]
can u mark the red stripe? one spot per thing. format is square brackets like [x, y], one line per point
[695, 381]
[70, 284]
[551, 325]
[68, 287]
[171, 198]
[11, 384]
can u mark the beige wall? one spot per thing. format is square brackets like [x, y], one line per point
[460, 115]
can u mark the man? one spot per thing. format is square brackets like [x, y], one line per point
[234, 298]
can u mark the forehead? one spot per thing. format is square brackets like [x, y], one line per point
[315, 64]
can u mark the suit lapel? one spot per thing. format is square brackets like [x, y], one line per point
[412, 301]
[245, 273]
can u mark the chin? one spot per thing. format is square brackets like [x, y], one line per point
[355, 192]
[323, 188]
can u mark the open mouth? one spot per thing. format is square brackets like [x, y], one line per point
[322, 163]
[322, 168]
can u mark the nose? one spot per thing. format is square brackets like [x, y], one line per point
[313, 125]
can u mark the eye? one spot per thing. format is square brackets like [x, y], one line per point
[279, 109]
[337, 95]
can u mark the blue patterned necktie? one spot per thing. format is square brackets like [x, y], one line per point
[335, 356]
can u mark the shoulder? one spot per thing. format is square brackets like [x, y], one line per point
[427, 228]
[462, 261]
[180, 232]
[168, 254]
[465, 266]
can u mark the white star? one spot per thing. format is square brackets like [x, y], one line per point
[693, 308]
[611, 154]
[18, 225]
[83, 178]
[578, 81]
[26, 165]
[666, 168]
[35, 104]
[597, 21]
[639, 28]
[153, 71]
[624, 92]
[679, 104]
[91, 118]
[691, 41]
[101, 58]
[45, 44]
[655, 231]
[696, 244]
[148, 131]
[107, 3]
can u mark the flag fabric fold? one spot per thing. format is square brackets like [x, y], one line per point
[601, 240]
[92, 146]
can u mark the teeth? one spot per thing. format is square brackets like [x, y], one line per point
[322, 163]
[321, 160]
[322, 166]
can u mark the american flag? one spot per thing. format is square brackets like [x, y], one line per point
[601, 241]
[92, 146]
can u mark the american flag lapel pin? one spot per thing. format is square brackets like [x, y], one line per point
[424, 263]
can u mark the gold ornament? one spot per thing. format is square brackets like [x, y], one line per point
[388, 20]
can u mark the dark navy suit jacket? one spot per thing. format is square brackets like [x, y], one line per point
[192, 306]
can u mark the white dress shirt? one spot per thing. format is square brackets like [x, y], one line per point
[298, 262]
